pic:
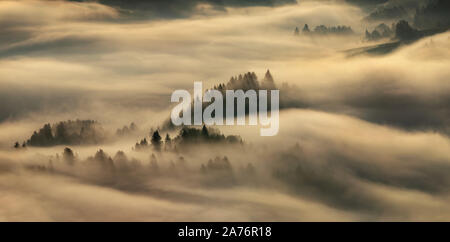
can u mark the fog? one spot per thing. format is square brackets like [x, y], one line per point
[362, 138]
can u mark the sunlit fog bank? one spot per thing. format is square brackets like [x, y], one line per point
[85, 93]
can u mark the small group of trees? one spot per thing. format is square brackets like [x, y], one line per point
[218, 172]
[67, 133]
[155, 141]
[17, 145]
[123, 172]
[324, 30]
[187, 135]
[403, 31]
[400, 31]
[380, 32]
[113, 165]
[126, 130]
[100, 159]
[247, 81]
[143, 144]
[68, 157]
[193, 135]
[218, 164]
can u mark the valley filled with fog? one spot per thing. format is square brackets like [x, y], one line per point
[85, 134]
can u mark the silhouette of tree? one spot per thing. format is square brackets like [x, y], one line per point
[61, 134]
[121, 161]
[205, 132]
[122, 131]
[168, 140]
[100, 155]
[156, 140]
[142, 144]
[306, 29]
[68, 156]
[47, 132]
[104, 160]
[367, 35]
[404, 31]
[268, 82]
